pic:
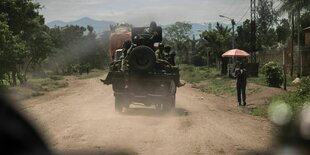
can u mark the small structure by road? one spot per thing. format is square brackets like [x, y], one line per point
[307, 36]
[306, 53]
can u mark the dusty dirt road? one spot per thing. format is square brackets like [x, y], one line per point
[81, 117]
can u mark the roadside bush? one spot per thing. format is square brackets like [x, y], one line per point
[195, 74]
[303, 88]
[273, 74]
[56, 77]
[296, 100]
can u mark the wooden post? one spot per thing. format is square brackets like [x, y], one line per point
[284, 69]
[298, 41]
[292, 52]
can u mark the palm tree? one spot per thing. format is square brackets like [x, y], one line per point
[219, 42]
[294, 9]
[292, 6]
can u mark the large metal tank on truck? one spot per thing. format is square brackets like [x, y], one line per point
[138, 76]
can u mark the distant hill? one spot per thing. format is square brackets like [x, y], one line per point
[198, 28]
[99, 26]
[102, 25]
[56, 23]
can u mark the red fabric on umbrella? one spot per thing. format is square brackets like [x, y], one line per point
[235, 53]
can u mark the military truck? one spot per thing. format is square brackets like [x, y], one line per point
[138, 76]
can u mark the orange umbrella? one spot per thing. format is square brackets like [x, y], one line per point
[235, 53]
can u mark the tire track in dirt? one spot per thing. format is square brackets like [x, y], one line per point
[82, 117]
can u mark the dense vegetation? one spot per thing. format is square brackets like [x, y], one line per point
[273, 32]
[27, 45]
[294, 100]
[77, 50]
[273, 74]
[28, 48]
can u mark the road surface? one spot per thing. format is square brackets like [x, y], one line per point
[81, 118]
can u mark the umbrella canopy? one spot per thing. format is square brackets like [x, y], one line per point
[235, 53]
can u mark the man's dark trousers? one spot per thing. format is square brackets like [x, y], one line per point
[241, 86]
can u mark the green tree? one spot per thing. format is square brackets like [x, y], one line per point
[39, 48]
[76, 50]
[25, 21]
[91, 55]
[176, 35]
[68, 41]
[305, 20]
[283, 31]
[10, 46]
[294, 8]
[199, 53]
[219, 41]
[243, 38]
[265, 21]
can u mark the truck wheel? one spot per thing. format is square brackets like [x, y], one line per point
[172, 102]
[169, 103]
[173, 88]
[118, 85]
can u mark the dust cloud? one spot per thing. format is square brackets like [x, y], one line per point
[82, 117]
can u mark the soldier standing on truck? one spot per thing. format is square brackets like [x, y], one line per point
[170, 55]
[126, 47]
[160, 52]
[152, 30]
[171, 59]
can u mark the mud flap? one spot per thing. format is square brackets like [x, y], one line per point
[108, 79]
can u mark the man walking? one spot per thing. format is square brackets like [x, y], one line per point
[241, 76]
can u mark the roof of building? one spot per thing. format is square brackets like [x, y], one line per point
[307, 29]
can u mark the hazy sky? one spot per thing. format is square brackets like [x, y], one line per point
[141, 12]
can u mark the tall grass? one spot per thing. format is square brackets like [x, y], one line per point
[296, 99]
[92, 73]
[197, 74]
[46, 84]
[211, 81]
[293, 100]
[38, 86]
[208, 80]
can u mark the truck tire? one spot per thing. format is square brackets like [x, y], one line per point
[172, 102]
[169, 101]
[142, 59]
[172, 88]
[169, 104]
[118, 85]
[120, 103]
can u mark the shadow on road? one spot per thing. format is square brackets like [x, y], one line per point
[139, 111]
[103, 152]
